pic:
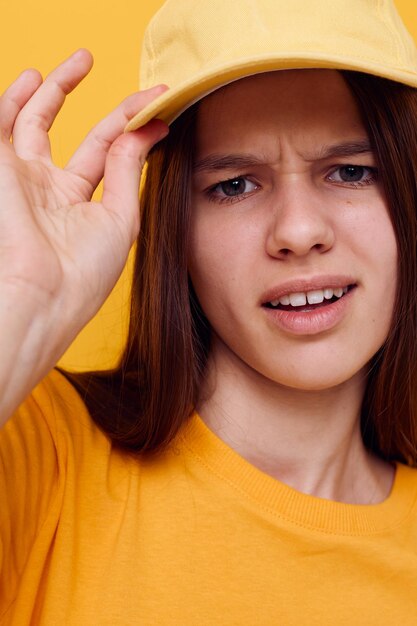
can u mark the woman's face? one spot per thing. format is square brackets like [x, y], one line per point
[293, 255]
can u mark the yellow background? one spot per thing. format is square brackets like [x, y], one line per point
[42, 33]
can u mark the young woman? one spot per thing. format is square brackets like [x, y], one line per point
[251, 460]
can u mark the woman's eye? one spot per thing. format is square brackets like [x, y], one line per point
[232, 188]
[356, 175]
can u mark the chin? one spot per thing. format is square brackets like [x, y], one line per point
[310, 385]
[316, 377]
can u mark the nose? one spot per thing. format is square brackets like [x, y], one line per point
[300, 222]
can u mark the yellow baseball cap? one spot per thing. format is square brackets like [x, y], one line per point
[197, 46]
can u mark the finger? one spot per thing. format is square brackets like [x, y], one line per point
[123, 168]
[15, 97]
[30, 133]
[89, 160]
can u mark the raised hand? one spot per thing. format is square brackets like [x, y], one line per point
[61, 253]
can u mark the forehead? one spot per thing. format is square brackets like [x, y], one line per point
[304, 105]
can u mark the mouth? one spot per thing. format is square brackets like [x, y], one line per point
[305, 301]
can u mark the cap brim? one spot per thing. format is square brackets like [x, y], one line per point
[175, 101]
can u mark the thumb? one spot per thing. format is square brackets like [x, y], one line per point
[123, 168]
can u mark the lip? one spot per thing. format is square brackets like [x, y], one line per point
[305, 285]
[317, 320]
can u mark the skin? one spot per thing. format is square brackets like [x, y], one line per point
[61, 253]
[289, 403]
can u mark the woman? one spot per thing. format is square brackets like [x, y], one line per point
[252, 459]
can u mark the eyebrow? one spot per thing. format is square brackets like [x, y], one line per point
[347, 149]
[215, 162]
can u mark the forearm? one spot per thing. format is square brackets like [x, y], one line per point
[61, 253]
[29, 348]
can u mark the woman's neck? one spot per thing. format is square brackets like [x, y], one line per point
[310, 440]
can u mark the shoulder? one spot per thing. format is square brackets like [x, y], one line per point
[56, 395]
[406, 476]
[53, 415]
[49, 449]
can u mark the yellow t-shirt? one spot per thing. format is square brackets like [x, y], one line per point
[89, 536]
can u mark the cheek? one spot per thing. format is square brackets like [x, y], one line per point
[375, 241]
[367, 230]
[374, 245]
[220, 259]
[228, 266]
[210, 270]
[388, 269]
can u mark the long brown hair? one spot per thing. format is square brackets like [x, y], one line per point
[144, 401]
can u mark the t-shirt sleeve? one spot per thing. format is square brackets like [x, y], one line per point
[29, 484]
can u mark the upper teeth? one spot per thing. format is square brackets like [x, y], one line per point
[312, 297]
